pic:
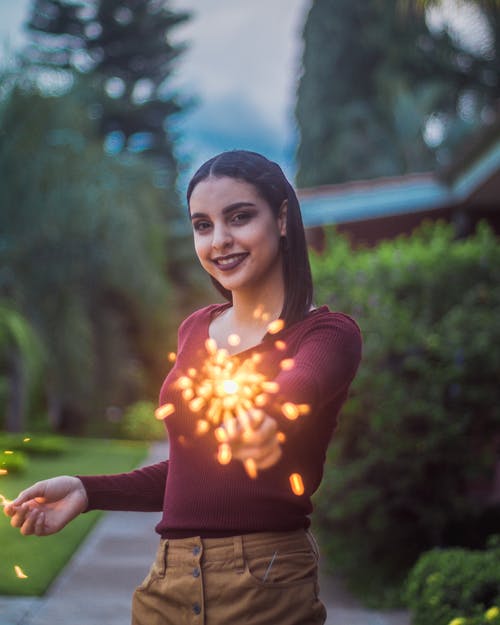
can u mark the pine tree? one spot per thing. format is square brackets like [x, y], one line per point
[374, 74]
[126, 45]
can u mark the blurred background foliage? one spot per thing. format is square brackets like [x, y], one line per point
[386, 90]
[412, 463]
[96, 272]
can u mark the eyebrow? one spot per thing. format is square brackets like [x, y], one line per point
[226, 210]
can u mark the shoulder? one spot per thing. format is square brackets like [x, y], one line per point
[323, 321]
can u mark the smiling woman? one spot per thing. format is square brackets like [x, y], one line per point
[266, 373]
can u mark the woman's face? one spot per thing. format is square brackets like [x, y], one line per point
[236, 235]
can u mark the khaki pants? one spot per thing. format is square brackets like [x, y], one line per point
[255, 579]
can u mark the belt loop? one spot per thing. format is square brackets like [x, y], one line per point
[239, 560]
[164, 549]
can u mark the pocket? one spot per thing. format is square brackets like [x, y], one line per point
[281, 569]
[158, 568]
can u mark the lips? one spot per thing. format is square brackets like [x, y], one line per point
[229, 262]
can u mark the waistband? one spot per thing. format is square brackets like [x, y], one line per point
[204, 550]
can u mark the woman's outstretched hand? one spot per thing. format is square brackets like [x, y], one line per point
[47, 506]
[256, 442]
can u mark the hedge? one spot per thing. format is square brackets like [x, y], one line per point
[411, 463]
[456, 586]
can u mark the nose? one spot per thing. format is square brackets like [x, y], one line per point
[222, 238]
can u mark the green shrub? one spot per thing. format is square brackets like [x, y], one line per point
[413, 458]
[12, 461]
[455, 584]
[139, 423]
[34, 444]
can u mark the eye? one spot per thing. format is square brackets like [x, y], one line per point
[201, 225]
[241, 218]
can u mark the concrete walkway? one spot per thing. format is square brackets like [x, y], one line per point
[96, 586]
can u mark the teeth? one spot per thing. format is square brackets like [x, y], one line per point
[227, 261]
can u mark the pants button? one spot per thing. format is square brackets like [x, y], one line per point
[196, 572]
[196, 550]
[196, 608]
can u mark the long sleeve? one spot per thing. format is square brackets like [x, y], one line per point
[140, 490]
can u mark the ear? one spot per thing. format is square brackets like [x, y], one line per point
[282, 218]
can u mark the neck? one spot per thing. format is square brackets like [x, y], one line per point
[258, 309]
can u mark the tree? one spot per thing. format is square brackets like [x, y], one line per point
[376, 81]
[83, 241]
[126, 46]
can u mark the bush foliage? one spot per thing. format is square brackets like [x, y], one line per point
[412, 462]
[456, 586]
[139, 423]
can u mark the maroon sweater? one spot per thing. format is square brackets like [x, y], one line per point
[199, 496]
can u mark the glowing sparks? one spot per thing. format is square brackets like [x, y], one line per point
[224, 453]
[287, 364]
[294, 411]
[296, 484]
[227, 393]
[4, 501]
[276, 326]
[164, 411]
[19, 572]
[233, 340]
[281, 345]
[3, 472]
[8, 452]
[250, 468]
[230, 387]
[26, 440]
[172, 356]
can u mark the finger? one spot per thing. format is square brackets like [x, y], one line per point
[28, 527]
[39, 528]
[270, 460]
[37, 490]
[20, 514]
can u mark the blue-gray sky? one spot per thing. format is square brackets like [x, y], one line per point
[242, 67]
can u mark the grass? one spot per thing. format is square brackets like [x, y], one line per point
[41, 559]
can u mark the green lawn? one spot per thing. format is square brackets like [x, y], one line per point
[42, 558]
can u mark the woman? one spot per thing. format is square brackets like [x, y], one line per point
[234, 547]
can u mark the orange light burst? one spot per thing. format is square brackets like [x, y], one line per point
[234, 340]
[294, 411]
[4, 501]
[227, 394]
[296, 484]
[172, 356]
[276, 326]
[287, 364]
[19, 572]
[3, 472]
[225, 389]
[164, 411]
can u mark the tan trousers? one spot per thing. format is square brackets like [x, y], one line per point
[255, 579]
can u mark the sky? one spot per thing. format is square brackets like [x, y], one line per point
[241, 68]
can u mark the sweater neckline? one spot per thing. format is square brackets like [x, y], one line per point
[219, 308]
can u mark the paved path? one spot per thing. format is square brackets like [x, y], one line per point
[96, 586]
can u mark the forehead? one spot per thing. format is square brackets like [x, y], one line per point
[216, 193]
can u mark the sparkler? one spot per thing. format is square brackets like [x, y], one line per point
[19, 572]
[4, 501]
[229, 395]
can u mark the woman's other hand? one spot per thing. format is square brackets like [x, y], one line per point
[47, 506]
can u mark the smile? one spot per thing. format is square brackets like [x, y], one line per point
[226, 263]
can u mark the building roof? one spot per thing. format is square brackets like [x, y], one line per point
[476, 176]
